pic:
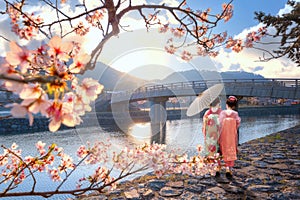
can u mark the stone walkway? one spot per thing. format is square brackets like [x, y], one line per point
[268, 168]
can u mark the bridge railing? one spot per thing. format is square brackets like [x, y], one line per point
[181, 85]
[283, 82]
[203, 84]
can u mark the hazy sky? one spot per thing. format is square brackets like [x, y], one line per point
[134, 59]
[243, 17]
[141, 53]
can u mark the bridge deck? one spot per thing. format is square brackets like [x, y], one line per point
[273, 88]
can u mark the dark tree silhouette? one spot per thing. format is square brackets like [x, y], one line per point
[287, 29]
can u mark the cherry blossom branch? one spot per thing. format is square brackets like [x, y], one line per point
[74, 192]
[34, 79]
[128, 161]
[36, 25]
[72, 171]
[115, 18]
[96, 184]
[20, 170]
[4, 38]
[97, 51]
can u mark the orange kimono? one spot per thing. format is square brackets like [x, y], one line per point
[229, 123]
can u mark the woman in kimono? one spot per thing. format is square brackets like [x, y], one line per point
[229, 123]
[211, 132]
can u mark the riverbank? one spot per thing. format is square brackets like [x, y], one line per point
[21, 125]
[267, 168]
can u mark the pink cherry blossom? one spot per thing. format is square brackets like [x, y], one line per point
[187, 56]
[25, 26]
[75, 101]
[60, 113]
[31, 91]
[164, 28]
[227, 11]
[89, 90]
[80, 107]
[213, 53]
[41, 104]
[14, 86]
[81, 30]
[178, 32]
[54, 174]
[79, 63]
[96, 17]
[204, 15]
[41, 147]
[14, 14]
[18, 56]
[82, 151]
[209, 43]
[238, 46]
[170, 49]
[230, 43]
[14, 146]
[201, 51]
[66, 163]
[6, 68]
[20, 111]
[59, 49]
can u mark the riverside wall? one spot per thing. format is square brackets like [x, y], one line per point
[21, 125]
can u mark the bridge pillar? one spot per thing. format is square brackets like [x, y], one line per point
[158, 132]
[158, 117]
[223, 99]
[158, 111]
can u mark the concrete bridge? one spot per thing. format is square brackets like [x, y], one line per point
[274, 88]
[159, 94]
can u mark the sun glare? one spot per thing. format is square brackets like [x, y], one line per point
[140, 132]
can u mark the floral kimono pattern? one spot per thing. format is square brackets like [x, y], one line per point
[211, 132]
[229, 123]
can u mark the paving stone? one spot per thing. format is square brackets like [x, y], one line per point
[156, 184]
[279, 166]
[210, 195]
[170, 192]
[192, 181]
[148, 194]
[233, 189]
[176, 184]
[261, 164]
[132, 194]
[279, 156]
[208, 182]
[296, 162]
[262, 188]
[270, 161]
[216, 190]
[196, 188]
[118, 198]
[256, 158]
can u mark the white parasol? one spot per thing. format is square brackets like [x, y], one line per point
[204, 100]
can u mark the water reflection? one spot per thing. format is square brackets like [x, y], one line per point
[158, 131]
[184, 134]
[140, 133]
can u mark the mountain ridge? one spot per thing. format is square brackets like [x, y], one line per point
[113, 79]
[195, 75]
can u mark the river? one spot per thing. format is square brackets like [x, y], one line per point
[184, 134]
